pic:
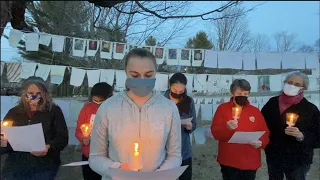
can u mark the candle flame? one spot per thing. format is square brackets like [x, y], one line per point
[5, 123]
[136, 147]
[237, 109]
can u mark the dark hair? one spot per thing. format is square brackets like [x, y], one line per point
[184, 104]
[139, 52]
[46, 99]
[101, 89]
[240, 83]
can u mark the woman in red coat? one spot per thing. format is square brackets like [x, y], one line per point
[239, 161]
[99, 93]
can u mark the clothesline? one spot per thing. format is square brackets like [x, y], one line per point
[70, 37]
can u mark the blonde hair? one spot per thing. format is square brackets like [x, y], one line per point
[46, 99]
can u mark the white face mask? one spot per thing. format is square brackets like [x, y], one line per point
[291, 90]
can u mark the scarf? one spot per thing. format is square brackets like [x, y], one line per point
[287, 101]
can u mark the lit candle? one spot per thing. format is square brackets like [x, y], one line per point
[86, 129]
[136, 158]
[6, 123]
[291, 119]
[236, 113]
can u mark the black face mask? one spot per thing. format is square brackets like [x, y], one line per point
[175, 95]
[241, 100]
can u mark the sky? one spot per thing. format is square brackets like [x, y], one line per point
[299, 17]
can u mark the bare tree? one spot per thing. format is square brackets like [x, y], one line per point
[317, 45]
[305, 48]
[259, 43]
[231, 33]
[285, 41]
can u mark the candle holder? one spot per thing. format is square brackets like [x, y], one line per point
[291, 119]
[86, 129]
[236, 113]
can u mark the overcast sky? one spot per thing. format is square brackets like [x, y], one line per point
[298, 17]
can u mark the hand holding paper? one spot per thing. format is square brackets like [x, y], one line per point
[256, 144]
[186, 121]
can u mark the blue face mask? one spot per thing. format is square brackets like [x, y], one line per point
[140, 86]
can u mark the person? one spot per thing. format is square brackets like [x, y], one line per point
[239, 161]
[178, 94]
[290, 151]
[136, 129]
[35, 106]
[99, 93]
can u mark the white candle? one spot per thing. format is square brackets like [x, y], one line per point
[136, 158]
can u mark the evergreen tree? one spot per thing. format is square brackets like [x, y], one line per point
[200, 41]
[151, 41]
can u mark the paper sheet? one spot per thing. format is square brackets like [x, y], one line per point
[200, 81]
[230, 60]
[197, 106]
[186, 121]
[292, 60]
[14, 37]
[43, 71]
[120, 49]
[80, 163]
[267, 60]
[312, 61]
[92, 47]
[93, 77]
[58, 43]
[170, 174]
[77, 76]
[159, 53]
[14, 71]
[245, 137]
[78, 47]
[185, 57]
[45, 39]
[200, 135]
[189, 82]
[249, 61]
[25, 138]
[106, 49]
[32, 41]
[197, 57]
[107, 75]
[210, 59]
[161, 82]
[57, 74]
[172, 57]
[120, 79]
[28, 69]
[206, 112]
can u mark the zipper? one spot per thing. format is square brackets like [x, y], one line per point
[139, 123]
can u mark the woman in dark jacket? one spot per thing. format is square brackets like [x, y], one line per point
[35, 106]
[178, 94]
[290, 151]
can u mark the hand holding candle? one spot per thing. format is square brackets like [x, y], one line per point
[4, 141]
[86, 129]
[291, 119]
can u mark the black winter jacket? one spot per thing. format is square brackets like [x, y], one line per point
[55, 134]
[283, 149]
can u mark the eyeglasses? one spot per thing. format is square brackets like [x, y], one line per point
[295, 84]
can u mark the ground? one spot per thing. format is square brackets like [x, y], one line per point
[205, 166]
